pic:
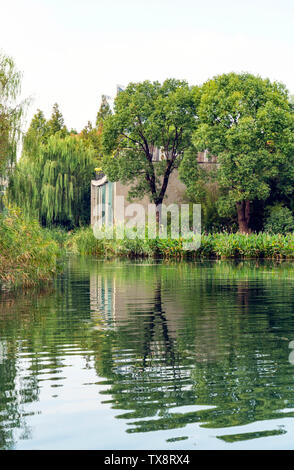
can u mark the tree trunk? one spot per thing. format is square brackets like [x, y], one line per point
[243, 211]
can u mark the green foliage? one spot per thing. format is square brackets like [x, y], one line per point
[11, 111]
[279, 220]
[261, 245]
[148, 117]
[58, 234]
[104, 112]
[83, 242]
[248, 123]
[56, 123]
[37, 132]
[193, 175]
[203, 188]
[92, 136]
[216, 245]
[34, 256]
[92, 139]
[40, 130]
[53, 184]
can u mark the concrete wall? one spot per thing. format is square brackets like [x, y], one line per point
[175, 193]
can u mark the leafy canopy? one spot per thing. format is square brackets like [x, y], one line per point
[56, 123]
[40, 130]
[149, 119]
[92, 136]
[52, 182]
[248, 123]
[279, 220]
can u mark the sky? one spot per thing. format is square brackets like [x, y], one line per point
[73, 51]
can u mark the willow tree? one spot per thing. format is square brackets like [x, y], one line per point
[11, 111]
[53, 183]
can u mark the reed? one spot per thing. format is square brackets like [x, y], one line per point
[215, 245]
[28, 253]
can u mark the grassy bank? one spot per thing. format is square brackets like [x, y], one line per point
[217, 245]
[28, 254]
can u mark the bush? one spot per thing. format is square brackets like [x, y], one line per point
[82, 241]
[28, 254]
[280, 220]
[217, 245]
[58, 234]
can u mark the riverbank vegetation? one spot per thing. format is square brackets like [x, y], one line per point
[215, 245]
[28, 254]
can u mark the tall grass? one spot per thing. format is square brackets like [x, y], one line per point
[217, 245]
[28, 253]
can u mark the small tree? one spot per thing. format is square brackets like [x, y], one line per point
[148, 117]
[92, 136]
[248, 124]
[56, 123]
[104, 111]
[36, 134]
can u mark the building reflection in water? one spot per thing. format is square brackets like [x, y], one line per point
[189, 341]
[169, 345]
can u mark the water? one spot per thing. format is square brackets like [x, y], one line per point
[140, 355]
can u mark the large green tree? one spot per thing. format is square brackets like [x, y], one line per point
[247, 122]
[148, 117]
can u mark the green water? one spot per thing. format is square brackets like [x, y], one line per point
[139, 355]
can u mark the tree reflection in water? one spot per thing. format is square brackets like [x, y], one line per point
[174, 344]
[226, 351]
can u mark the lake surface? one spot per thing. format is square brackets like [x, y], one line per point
[150, 355]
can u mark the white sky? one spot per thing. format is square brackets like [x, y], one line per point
[73, 51]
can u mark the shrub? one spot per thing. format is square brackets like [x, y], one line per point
[28, 254]
[58, 234]
[82, 241]
[279, 220]
[217, 245]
